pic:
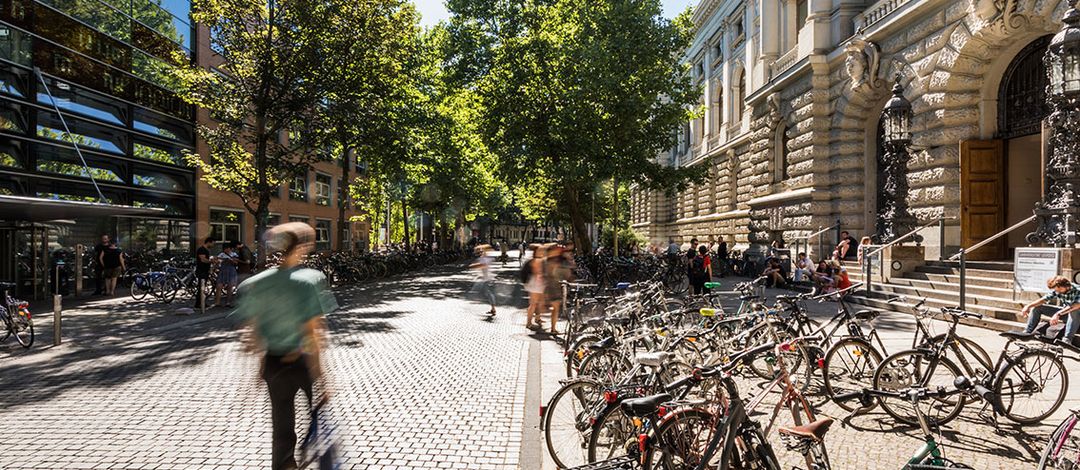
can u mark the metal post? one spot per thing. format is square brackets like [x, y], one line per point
[56, 319]
[963, 279]
[941, 238]
[78, 269]
[866, 272]
[837, 231]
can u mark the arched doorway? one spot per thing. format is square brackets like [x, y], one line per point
[1021, 110]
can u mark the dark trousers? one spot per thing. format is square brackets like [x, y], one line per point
[284, 379]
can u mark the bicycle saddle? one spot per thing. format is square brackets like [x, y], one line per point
[603, 344]
[644, 406]
[866, 315]
[815, 430]
[653, 359]
[1018, 335]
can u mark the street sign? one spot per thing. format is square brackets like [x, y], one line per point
[1033, 266]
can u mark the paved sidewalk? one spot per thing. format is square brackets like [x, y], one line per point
[422, 379]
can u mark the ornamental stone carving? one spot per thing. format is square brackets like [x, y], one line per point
[862, 62]
[774, 108]
[999, 16]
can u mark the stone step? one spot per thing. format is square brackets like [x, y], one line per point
[984, 273]
[951, 297]
[989, 321]
[955, 279]
[1004, 293]
[985, 265]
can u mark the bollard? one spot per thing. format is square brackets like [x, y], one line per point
[78, 269]
[202, 296]
[56, 319]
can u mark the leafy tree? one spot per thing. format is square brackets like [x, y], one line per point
[371, 108]
[575, 93]
[277, 58]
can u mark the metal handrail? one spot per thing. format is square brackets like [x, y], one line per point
[992, 238]
[962, 256]
[905, 237]
[819, 232]
[806, 239]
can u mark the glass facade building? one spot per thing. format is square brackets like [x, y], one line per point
[104, 86]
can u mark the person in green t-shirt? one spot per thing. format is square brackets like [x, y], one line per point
[284, 307]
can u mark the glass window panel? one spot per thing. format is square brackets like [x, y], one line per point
[157, 153]
[15, 45]
[12, 118]
[70, 197]
[96, 14]
[322, 190]
[178, 8]
[159, 181]
[153, 123]
[176, 29]
[226, 225]
[298, 218]
[12, 153]
[14, 82]
[273, 219]
[65, 161]
[298, 189]
[81, 140]
[154, 71]
[76, 100]
[322, 235]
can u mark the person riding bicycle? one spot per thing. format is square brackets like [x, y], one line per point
[1066, 296]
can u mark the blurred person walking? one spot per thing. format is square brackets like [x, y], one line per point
[487, 280]
[558, 270]
[112, 265]
[534, 285]
[284, 308]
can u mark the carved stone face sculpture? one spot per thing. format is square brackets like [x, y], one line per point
[855, 65]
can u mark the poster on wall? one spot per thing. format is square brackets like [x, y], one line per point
[1033, 266]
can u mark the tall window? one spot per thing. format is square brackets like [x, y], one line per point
[298, 188]
[740, 97]
[780, 153]
[226, 225]
[718, 107]
[322, 234]
[322, 189]
[802, 11]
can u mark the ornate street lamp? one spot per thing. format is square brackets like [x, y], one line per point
[894, 220]
[1057, 214]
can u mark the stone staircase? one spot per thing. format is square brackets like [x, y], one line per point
[989, 291]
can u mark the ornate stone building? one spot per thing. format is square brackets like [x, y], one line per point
[793, 92]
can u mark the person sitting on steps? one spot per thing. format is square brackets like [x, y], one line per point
[1066, 296]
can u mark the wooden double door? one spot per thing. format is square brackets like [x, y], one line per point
[1000, 181]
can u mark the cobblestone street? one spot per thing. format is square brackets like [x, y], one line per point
[422, 378]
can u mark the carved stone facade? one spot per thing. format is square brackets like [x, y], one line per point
[800, 151]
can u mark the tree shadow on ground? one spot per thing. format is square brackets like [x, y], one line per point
[48, 373]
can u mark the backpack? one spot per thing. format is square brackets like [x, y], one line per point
[697, 268]
[525, 272]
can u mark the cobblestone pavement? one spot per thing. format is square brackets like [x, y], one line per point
[422, 379]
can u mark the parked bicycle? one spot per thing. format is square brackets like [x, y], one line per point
[16, 317]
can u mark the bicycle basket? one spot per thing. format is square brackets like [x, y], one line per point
[621, 463]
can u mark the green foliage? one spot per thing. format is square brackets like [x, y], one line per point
[575, 93]
[628, 239]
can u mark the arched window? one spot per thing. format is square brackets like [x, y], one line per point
[718, 107]
[780, 153]
[739, 91]
[1022, 96]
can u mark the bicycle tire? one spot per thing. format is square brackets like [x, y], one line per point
[864, 371]
[139, 287]
[620, 427]
[966, 345]
[6, 324]
[577, 352]
[615, 367]
[669, 441]
[1053, 448]
[24, 330]
[577, 392]
[890, 376]
[1006, 406]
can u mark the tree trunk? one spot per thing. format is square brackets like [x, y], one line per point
[405, 222]
[343, 195]
[577, 221]
[615, 214]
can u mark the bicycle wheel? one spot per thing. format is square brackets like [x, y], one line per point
[1032, 386]
[606, 365]
[967, 346]
[680, 441]
[1062, 451]
[566, 421]
[140, 286]
[164, 289]
[849, 366]
[23, 326]
[611, 435]
[912, 368]
[578, 351]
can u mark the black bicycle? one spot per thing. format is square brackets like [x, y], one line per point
[16, 317]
